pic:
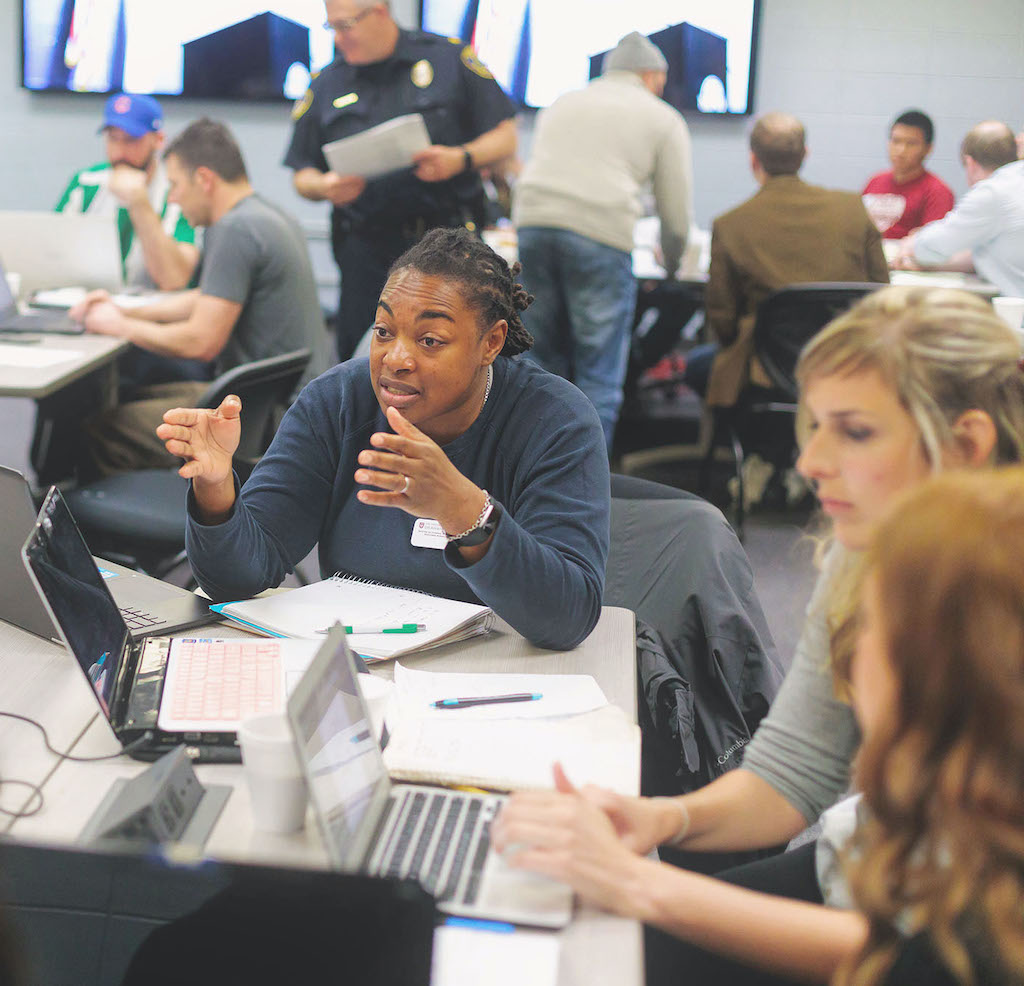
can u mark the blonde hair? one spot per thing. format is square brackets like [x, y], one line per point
[942, 352]
[943, 774]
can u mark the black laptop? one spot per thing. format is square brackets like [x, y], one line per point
[11, 320]
[156, 692]
[147, 604]
[97, 918]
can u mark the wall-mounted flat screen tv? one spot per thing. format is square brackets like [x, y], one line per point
[217, 49]
[538, 49]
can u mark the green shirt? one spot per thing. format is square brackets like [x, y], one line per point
[88, 192]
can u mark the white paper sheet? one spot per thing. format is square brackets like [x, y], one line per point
[563, 694]
[382, 149]
[34, 357]
[467, 956]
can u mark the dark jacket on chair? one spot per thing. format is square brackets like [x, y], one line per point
[708, 668]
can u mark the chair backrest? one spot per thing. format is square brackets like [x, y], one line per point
[789, 318]
[265, 387]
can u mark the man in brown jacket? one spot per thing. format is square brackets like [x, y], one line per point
[789, 232]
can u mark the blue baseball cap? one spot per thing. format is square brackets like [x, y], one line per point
[134, 114]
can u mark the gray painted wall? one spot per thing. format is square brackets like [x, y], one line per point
[846, 67]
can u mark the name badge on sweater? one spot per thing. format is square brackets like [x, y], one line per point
[427, 533]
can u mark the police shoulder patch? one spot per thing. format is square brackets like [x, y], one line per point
[472, 61]
[302, 104]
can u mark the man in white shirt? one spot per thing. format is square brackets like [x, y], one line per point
[594, 151]
[157, 244]
[985, 231]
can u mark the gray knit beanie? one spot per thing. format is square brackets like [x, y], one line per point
[634, 53]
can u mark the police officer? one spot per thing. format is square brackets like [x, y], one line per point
[382, 72]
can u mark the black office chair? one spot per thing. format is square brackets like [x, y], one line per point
[138, 518]
[786, 321]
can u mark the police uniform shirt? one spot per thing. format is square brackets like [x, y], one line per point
[438, 77]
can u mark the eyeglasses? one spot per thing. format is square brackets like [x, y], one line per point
[347, 23]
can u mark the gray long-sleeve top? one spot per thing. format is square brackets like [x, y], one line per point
[804, 746]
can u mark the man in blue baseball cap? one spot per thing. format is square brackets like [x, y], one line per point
[157, 244]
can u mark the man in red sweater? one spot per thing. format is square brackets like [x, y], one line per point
[907, 197]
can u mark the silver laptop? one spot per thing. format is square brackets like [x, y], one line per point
[13, 320]
[439, 837]
[56, 249]
[147, 605]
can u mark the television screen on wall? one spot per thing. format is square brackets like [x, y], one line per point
[538, 49]
[222, 49]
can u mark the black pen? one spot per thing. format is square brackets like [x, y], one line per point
[465, 703]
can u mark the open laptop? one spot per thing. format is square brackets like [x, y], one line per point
[55, 249]
[434, 835]
[156, 692]
[147, 605]
[12, 320]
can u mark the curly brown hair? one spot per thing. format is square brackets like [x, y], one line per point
[943, 771]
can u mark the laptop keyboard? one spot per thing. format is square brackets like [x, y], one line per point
[440, 839]
[139, 620]
[225, 680]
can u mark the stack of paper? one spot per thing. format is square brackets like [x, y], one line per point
[510, 746]
[387, 147]
[310, 611]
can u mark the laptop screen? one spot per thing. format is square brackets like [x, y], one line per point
[76, 595]
[348, 782]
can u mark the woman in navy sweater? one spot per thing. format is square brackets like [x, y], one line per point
[443, 463]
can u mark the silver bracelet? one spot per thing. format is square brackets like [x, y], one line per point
[488, 504]
[684, 828]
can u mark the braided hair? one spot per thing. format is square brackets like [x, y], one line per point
[491, 288]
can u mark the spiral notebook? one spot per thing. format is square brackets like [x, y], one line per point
[311, 610]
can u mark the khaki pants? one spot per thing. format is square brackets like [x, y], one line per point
[124, 438]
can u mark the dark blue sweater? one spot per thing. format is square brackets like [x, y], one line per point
[537, 447]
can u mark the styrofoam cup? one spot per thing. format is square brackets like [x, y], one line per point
[277, 787]
[377, 692]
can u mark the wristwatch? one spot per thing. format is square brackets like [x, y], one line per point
[485, 526]
[467, 159]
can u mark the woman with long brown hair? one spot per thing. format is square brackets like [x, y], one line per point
[938, 689]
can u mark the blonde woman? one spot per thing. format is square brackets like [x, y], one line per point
[906, 384]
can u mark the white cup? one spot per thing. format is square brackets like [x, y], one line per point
[377, 692]
[1011, 311]
[277, 787]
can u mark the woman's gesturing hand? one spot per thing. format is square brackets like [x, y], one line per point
[205, 439]
[412, 472]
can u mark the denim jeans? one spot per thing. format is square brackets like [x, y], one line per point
[582, 315]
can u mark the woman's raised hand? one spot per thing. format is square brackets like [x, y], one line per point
[205, 439]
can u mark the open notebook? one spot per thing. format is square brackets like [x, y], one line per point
[311, 610]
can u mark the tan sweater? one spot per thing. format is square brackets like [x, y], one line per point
[594, 151]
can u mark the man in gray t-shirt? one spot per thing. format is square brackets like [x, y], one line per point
[256, 297]
[255, 256]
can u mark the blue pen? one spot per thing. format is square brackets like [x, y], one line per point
[466, 703]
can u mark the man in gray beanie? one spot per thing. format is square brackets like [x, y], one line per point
[576, 204]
